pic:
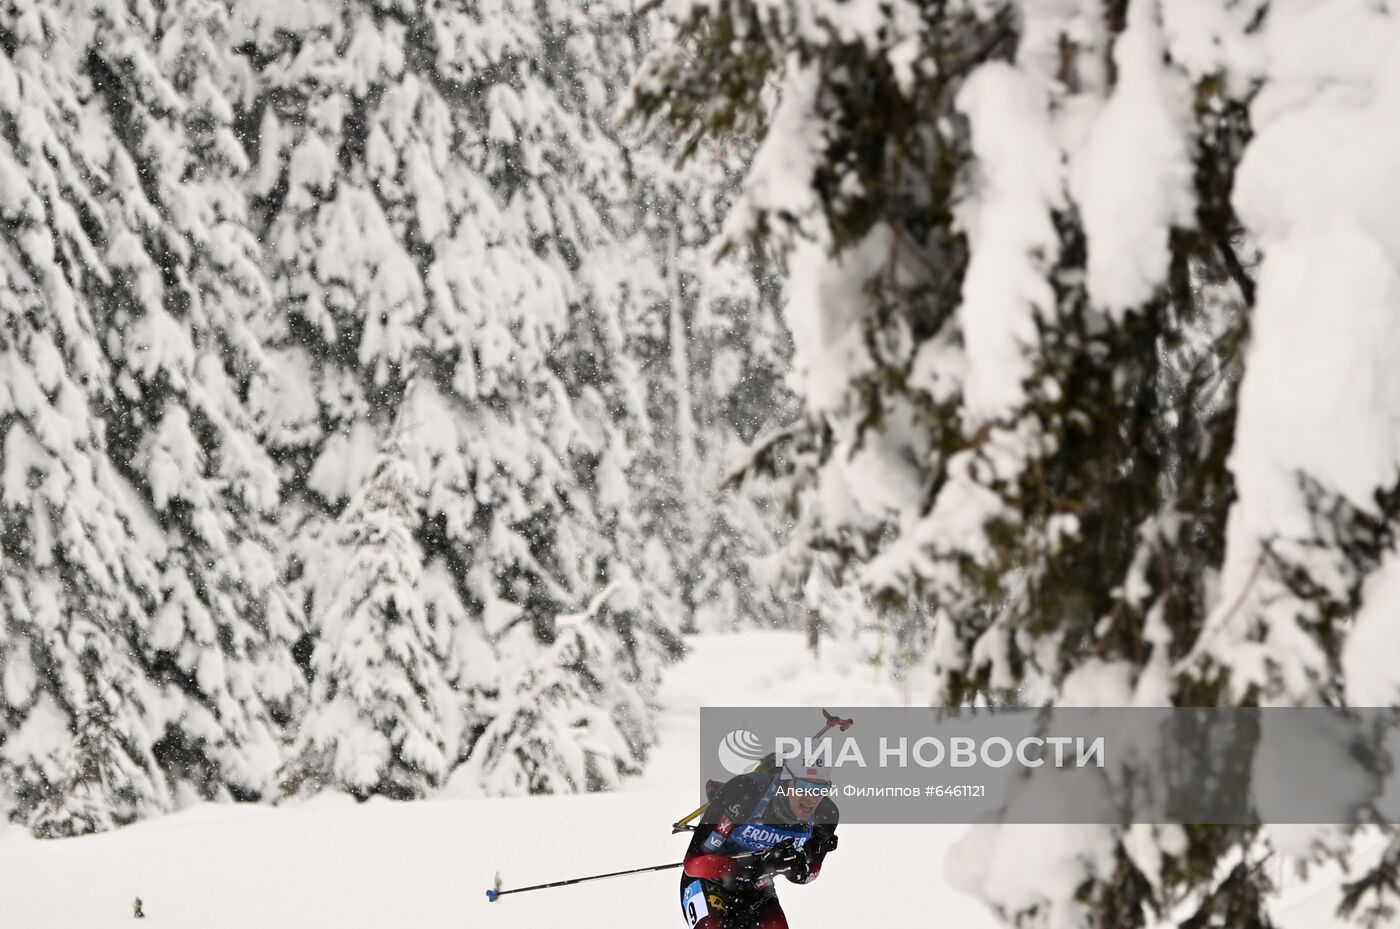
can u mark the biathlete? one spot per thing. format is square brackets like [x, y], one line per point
[756, 827]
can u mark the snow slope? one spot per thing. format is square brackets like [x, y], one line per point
[331, 862]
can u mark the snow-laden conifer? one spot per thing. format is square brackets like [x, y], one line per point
[1090, 303]
[145, 643]
[380, 701]
[433, 193]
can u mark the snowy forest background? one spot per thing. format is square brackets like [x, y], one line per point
[370, 370]
[365, 397]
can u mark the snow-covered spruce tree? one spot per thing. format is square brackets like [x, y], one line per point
[712, 351]
[727, 327]
[379, 697]
[409, 159]
[547, 97]
[573, 164]
[144, 648]
[555, 158]
[551, 731]
[185, 293]
[1048, 392]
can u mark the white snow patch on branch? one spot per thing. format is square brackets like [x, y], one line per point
[1132, 178]
[1011, 235]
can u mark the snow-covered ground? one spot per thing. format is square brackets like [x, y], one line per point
[334, 863]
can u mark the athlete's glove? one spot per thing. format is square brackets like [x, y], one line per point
[800, 869]
[783, 858]
[820, 844]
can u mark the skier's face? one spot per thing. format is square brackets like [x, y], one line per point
[804, 802]
[805, 806]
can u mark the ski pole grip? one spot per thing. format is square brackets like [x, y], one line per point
[491, 895]
[836, 721]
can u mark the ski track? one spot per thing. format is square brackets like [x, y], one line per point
[331, 862]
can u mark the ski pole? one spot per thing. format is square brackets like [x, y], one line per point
[496, 892]
[832, 722]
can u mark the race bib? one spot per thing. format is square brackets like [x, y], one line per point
[693, 903]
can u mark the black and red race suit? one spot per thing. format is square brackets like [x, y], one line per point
[724, 885]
